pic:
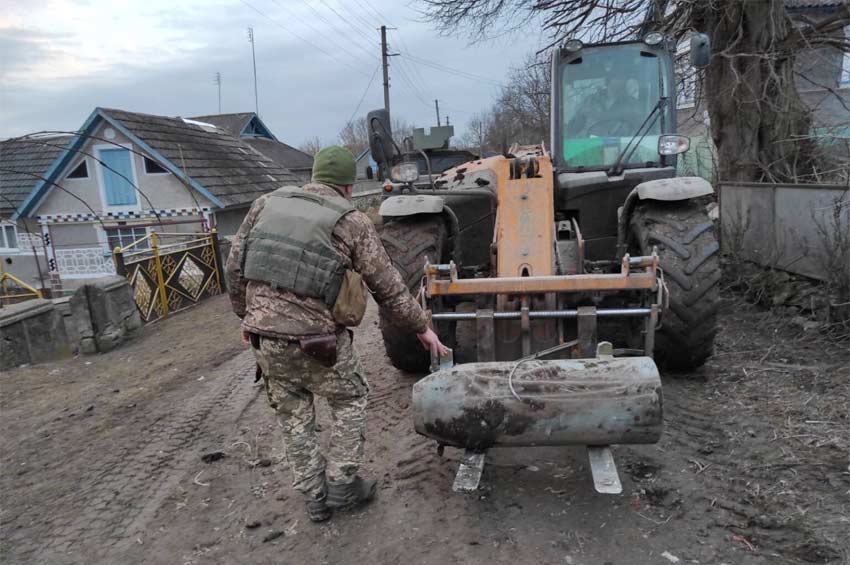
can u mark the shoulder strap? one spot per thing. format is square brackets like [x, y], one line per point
[336, 203]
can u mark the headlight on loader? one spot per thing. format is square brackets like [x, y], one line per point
[673, 144]
[405, 172]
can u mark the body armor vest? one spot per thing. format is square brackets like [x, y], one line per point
[291, 245]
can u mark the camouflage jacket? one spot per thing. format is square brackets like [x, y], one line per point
[279, 313]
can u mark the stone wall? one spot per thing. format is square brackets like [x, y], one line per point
[31, 332]
[103, 314]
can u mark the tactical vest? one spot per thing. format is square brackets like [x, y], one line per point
[291, 244]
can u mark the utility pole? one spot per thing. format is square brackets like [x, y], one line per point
[254, 59]
[217, 81]
[437, 107]
[386, 65]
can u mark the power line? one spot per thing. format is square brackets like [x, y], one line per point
[366, 24]
[450, 70]
[343, 18]
[414, 69]
[289, 31]
[306, 22]
[368, 86]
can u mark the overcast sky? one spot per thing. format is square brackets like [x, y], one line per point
[61, 59]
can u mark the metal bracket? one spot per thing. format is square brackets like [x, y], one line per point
[439, 362]
[469, 472]
[606, 480]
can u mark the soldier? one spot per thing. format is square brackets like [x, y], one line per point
[288, 270]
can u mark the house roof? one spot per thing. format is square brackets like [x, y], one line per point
[230, 123]
[281, 153]
[224, 169]
[230, 169]
[22, 162]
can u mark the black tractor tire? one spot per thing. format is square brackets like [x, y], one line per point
[408, 242]
[688, 251]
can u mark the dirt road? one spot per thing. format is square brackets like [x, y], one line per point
[103, 462]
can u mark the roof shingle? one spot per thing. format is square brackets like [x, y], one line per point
[23, 161]
[232, 170]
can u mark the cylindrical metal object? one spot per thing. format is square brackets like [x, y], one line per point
[561, 402]
[544, 314]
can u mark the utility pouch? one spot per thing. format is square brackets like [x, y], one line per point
[350, 305]
[322, 348]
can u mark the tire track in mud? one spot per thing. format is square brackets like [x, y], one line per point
[732, 480]
[126, 486]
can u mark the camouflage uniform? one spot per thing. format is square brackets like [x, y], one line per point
[292, 378]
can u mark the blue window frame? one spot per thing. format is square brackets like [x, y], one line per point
[119, 192]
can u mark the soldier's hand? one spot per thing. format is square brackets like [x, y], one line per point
[246, 338]
[432, 343]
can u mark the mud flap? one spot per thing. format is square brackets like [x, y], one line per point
[469, 472]
[606, 480]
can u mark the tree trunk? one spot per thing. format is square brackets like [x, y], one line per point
[758, 121]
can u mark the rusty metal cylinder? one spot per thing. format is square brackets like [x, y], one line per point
[561, 402]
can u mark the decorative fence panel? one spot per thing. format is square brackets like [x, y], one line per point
[168, 278]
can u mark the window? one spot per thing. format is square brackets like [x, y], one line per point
[8, 237]
[122, 237]
[153, 168]
[117, 189]
[81, 171]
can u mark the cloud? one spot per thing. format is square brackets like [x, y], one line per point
[159, 57]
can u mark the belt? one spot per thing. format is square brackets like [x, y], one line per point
[257, 338]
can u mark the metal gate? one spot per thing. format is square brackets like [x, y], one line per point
[171, 277]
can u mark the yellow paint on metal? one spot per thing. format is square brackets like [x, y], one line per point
[542, 284]
[525, 232]
[160, 281]
[31, 291]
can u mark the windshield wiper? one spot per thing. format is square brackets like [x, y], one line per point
[617, 168]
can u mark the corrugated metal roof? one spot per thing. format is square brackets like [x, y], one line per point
[22, 161]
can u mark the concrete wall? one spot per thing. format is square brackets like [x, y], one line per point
[780, 225]
[31, 332]
[103, 314]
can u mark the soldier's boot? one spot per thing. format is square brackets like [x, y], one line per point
[351, 495]
[317, 507]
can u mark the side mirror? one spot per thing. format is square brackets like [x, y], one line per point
[380, 136]
[369, 173]
[700, 50]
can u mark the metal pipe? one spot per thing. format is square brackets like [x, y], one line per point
[543, 314]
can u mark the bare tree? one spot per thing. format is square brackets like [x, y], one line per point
[758, 121]
[520, 113]
[311, 146]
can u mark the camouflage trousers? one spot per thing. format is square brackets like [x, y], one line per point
[292, 380]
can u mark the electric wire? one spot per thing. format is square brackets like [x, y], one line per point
[307, 41]
[450, 70]
[324, 35]
[365, 92]
[32, 141]
[344, 19]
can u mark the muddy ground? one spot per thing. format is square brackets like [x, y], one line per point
[103, 462]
